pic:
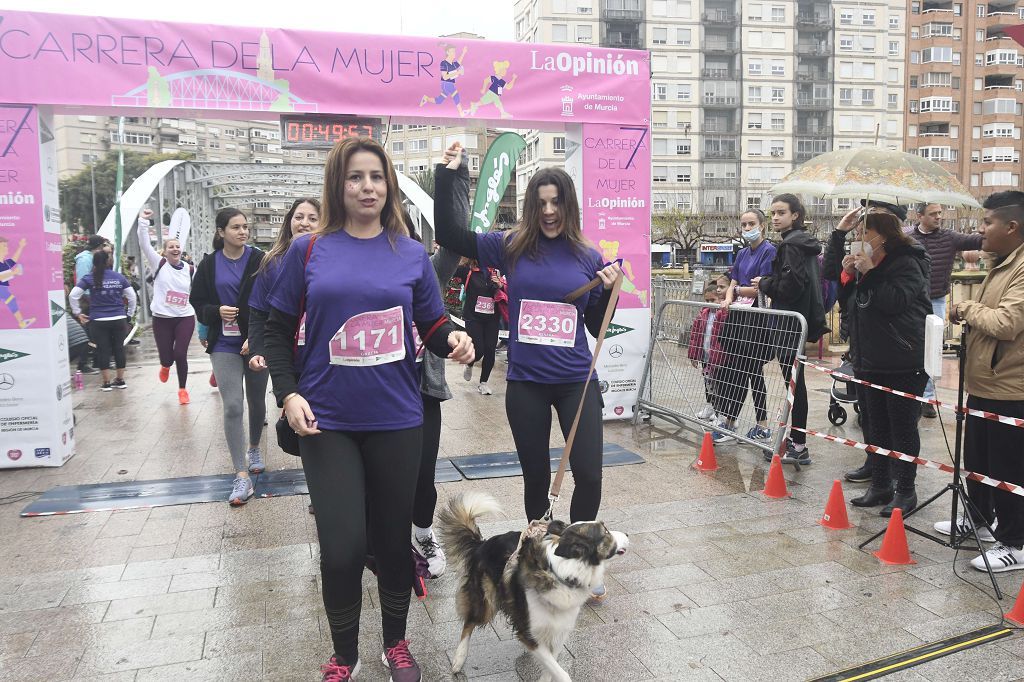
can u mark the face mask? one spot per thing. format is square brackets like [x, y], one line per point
[752, 236]
[860, 247]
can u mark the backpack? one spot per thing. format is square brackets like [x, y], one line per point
[151, 278]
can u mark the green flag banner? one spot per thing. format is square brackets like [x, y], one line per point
[495, 174]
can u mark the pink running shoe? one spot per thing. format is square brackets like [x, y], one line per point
[401, 663]
[335, 671]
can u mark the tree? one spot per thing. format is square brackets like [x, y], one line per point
[681, 228]
[425, 179]
[76, 191]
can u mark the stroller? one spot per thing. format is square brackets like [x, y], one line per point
[843, 392]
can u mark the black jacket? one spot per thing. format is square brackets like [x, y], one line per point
[887, 308]
[207, 303]
[479, 284]
[795, 281]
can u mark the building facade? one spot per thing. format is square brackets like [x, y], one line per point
[966, 90]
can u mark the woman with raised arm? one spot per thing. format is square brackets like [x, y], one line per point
[355, 400]
[174, 319]
[544, 259]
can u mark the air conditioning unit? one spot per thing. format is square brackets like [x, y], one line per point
[776, 152]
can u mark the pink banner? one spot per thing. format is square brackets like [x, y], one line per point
[616, 203]
[25, 260]
[101, 62]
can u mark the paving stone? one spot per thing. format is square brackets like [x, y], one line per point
[119, 590]
[75, 640]
[146, 654]
[155, 605]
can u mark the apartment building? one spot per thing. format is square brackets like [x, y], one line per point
[966, 90]
[742, 90]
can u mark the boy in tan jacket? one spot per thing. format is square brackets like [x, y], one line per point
[995, 381]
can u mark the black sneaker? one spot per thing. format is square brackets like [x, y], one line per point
[106, 386]
[859, 475]
[119, 383]
[88, 370]
[928, 411]
[791, 456]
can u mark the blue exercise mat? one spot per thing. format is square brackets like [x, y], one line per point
[504, 464]
[121, 495]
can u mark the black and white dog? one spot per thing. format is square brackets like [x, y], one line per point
[540, 588]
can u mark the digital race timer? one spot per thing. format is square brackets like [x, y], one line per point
[323, 132]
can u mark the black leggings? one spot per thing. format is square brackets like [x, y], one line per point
[350, 473]
[733, 379]
[892, 424]
[528, 406]
[798, 417]
[483, 329]
[108, 335]
[173, 335]
[426, 493]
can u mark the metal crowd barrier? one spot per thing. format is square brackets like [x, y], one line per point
[737, 373]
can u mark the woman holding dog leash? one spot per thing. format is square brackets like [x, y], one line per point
[355, 402]
[544, 259]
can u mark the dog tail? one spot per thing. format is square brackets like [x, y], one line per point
[457, 523]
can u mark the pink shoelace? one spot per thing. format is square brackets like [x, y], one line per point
[333, 672]
[399, 655]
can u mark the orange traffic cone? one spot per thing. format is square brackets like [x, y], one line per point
[775, 487]
[835, 509]
[706, 459]
[894, 545]
[1016, 614]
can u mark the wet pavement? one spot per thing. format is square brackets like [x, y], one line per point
[720, 583]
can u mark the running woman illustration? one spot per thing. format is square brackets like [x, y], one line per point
[9, 269]
[610, 251]
[494, 87]
[451, 68]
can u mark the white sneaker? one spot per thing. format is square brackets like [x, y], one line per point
[1001, 558]
[430, 550]
[467, 373]
[707, 413]
[962, 528]
[241, 491]
[485, 389]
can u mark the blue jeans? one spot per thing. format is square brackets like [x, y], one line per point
[939, 309]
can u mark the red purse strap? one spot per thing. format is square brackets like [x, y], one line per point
[423, 342]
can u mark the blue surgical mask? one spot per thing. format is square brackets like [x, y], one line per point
[752, 236]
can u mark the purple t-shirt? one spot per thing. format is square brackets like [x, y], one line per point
[557, 271]
[753, 263]
[228, 281]
[346, 277]
[261, 287]
[106, 299]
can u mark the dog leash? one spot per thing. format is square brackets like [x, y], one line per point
[556, 484]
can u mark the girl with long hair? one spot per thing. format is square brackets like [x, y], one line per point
[481, 316]
[220, 295]
[354, 400]
[108, 317]
[174, 319]
[544, 258]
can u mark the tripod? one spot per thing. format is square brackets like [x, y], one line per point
[956, 486]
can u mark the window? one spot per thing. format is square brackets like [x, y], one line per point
[660, 91]
[560, 33]
[778, 14]
[894, 23]
[755, 148]
[846, 17]
[684, 92]
[778, 148]
[894, 77]
[683, 36]
[846, 96]
[997, 178]
[659, 205]
[417, 145]
[979, 59]
[845, 43]
[936, 54]
[584, 33]
[894, 101]
[936, 104]
[255, 146]
[754, 67]
[894, 48]
[778, 121]
[1000, 130]
[87, 138]
[867, 97]
[754, 93]
[778, 95]
[659, 174]
[999, 155]
[559, 144]
[659, 36]
[684, 148]
[755, 13]
[1001, 57]
[915, 7]
[999, 106]
[684, 174]
[778, 67]
[981, 10]
[754, 121]
[398, 147]
[89, 158]
[659, 119]
[868, 17]
[867, 43]
[915, 32]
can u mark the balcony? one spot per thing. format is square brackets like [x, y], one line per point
[720, 127]
[624, 43]
[722, 148]
[814, 49]
[720, 18]
[719, 74]
[813, 131]
[720, 183]
[814, 20]
[710, 100]
[622, 14]
[805, 102]
[721, 47]
[805, 156]
[813, 75]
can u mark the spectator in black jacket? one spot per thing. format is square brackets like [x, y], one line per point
[795, 285]
[942, 247]
[885, 284]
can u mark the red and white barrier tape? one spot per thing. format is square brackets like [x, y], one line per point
[1012, 421]
[948, 468]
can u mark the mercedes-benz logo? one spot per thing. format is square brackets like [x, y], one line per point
[6, 382]
[615, 351]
